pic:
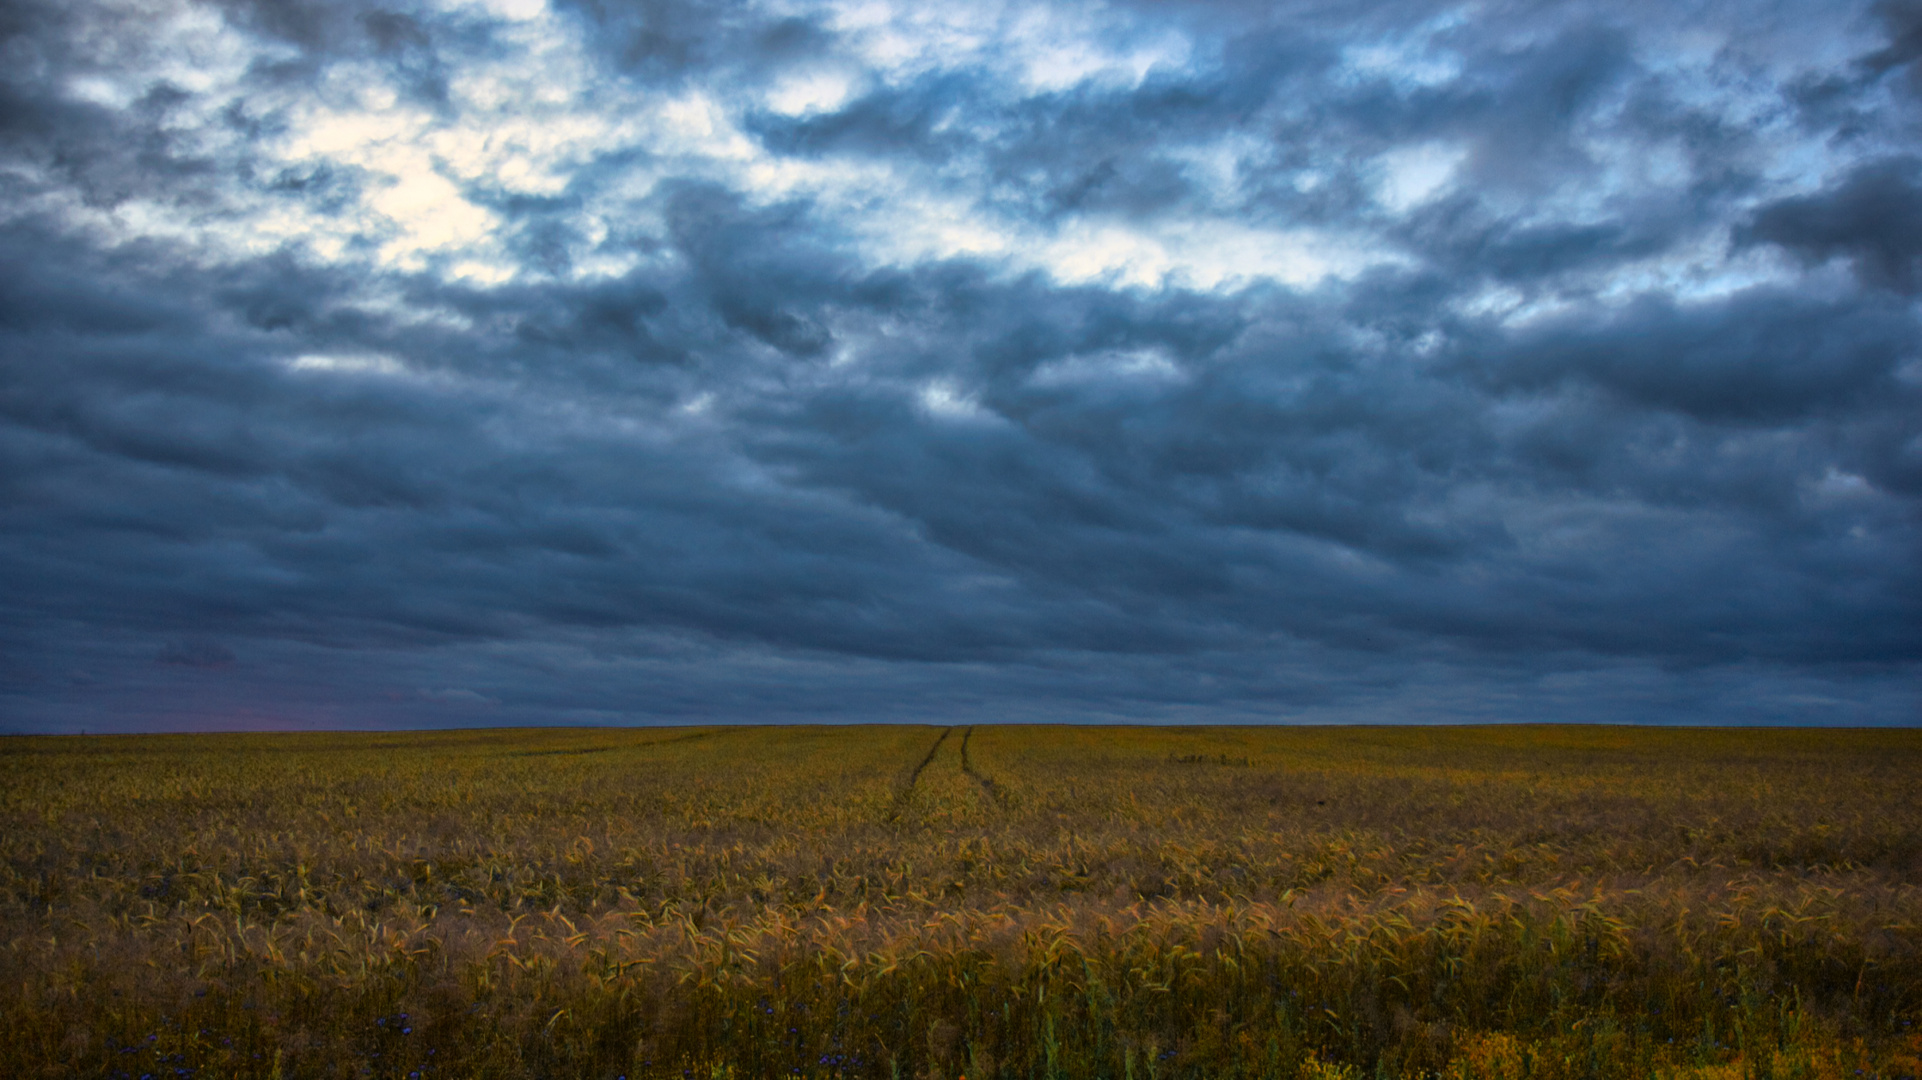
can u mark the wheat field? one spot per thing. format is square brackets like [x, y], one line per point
[979, 902]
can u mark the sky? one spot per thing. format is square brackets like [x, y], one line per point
[422, 363]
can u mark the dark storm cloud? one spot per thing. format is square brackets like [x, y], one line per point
[1584, 419]
[1903, 20]
[1762, 357]
[1872, 219]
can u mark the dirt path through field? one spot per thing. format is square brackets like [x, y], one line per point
[907, 790]
[987, 782]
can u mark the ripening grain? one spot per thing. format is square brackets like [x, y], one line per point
[988, 902]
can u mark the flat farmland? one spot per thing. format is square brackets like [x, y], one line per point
[980, 902]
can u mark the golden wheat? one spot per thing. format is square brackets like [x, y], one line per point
[990, 902]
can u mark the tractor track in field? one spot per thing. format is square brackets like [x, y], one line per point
[987, 782]
[901, 800]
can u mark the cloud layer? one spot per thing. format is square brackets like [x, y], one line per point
[524, 361]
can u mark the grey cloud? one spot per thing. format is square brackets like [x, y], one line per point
[885, 122]
[669, 40]
[1903, 22]
[404, 35]
[1760, 356]
[751, 276]
[1872, 218]
[757, 473]
[312, 24]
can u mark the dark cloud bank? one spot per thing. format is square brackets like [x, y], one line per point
[1580, 377]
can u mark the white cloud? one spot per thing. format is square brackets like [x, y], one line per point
[812, 91]
[348, 363]
[1409, 59]
[1205, 253]
[1413, 175]
[510, 10]
[943, 400]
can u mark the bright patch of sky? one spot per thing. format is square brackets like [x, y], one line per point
[352, 364]
[810, 91]
[1204, 254]
[943, 400]
[1042, 48]
[1412, 175]
[1409, 59]
[537, 116]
